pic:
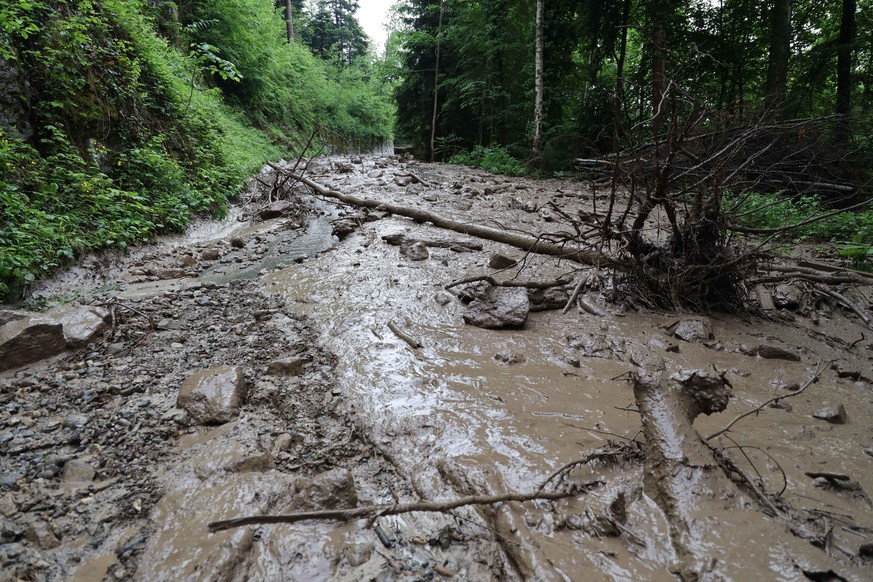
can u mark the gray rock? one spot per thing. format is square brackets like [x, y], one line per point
[498, 307]
[345, 226]
[8, 507]
[787, 296]
[286, 366]
[358, 553]
[832, 414]
[442, 298]
[283, 442]
[237, 243]
[415, 252]
[115, 348]
[81, 323]
[275, 210]
[30, 339]
[210, 255]
[693, 330]
[75, 420]
[187, 261]
[213, 396]
[499, 261]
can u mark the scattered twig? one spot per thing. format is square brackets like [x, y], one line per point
[412, 342]
[380, 510]
[495, 283]
[819, 368]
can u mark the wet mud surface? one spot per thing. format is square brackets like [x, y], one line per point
[105, 478]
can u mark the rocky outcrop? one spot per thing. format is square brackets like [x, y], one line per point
[214, 395]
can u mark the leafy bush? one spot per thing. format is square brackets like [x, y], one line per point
[492, 159]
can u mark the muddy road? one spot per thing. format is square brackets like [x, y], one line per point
[107, 473]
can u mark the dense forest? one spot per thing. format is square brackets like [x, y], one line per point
[122, 119]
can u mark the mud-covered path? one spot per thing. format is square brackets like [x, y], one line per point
[363, 418]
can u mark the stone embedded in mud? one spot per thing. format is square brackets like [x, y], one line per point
[8, 315]
[81, 323]
[706, 393]
[546, 299]
[30, 339]
[286, 366]
[770, 352]
[42, 535]
[415, 252]
[500, 261]
[509, 358]
[334, 489]
[237, 243]
[498, 307]
[77, 471]
[213, 396]
[832, 414]
[787, 296]
[343, 227]
[210, 254]
[284, 442]
[276, 209]
[442, 298]
[693, 330]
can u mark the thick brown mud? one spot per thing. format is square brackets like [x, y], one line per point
[472, 411]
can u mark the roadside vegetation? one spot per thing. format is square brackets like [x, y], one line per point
[125, 118]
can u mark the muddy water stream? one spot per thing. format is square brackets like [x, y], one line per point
[477, 411]
[456, 408]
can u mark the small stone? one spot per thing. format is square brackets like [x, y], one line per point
[77, 471]
[75, 420]
[283, 442]
[286, 366]
[115, 348]
[273, 210]
[770, 352]
[41, 534]
[500, 261]
[509, 358]
[213, 396]
[210, 255]
[415, 252]
[329, 490]
[358, 553]
[8, 507]
[832, 414]
[187, 261]
[237, 243]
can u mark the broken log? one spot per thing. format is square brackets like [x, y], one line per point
[522, 241]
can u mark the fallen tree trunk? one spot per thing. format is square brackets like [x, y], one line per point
[521, 241]
[707, 513]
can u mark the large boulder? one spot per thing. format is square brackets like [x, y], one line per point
[214, 395]
[498, 307]
[30, 339]
[81, 323]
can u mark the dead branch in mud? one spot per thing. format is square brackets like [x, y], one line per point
[525, 242]
[495, 283]
[819, 368]
[370, 511]
[848, 304]
[410, 341]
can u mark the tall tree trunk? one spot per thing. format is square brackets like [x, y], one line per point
[780, 50]
[538, 84]
[436, 88]
[844, 57]
[289, 21]
[659, 77]
[618, 105]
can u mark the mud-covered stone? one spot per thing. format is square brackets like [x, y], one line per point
[498, 307]
[770, 352]
[30, 339]
[77, 471]
[286, 366]
[708, 393]
[834, 414]
[546, 299]
[501, 261]
[787, 296]
[343, 227]
[415, 252]
[334, 489]
[276, 209]
[213, 396]
[42, 535]
[81, 323]
[693, 330]
[210, 254]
